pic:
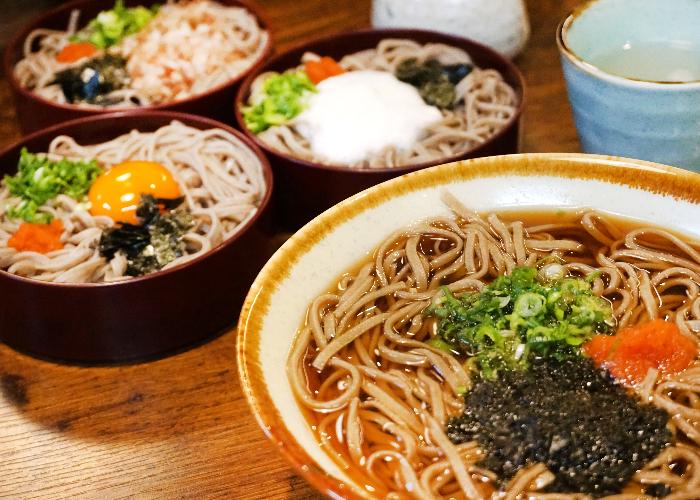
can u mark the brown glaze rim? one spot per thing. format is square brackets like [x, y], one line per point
[244, 90]
[636, 174]
[589, 67]
[18, 40]
[168, 115]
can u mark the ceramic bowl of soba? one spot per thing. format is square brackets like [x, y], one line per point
[522, 326]
[128, 236]
[88, 57]
[342, 113]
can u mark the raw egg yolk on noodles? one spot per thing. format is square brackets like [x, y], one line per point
[117, 192]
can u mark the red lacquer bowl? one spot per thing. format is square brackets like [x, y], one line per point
[145, 317]
[35, 112]
[308, 188]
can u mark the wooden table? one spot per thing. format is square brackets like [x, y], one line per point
[180, 427]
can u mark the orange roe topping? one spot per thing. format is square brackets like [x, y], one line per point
[42, 238]
[76, 51]
[317, 71]
[630, 353]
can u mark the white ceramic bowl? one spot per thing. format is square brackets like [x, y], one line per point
[312, 260]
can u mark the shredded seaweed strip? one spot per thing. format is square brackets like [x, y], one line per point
[93, 79]
[590, 433]
[155, 241]
[435, 81]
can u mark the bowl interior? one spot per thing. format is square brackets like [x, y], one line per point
[58, 19]
[339, 45]
[105, 127]
[619, 36]
[336, 240]
[99, 129]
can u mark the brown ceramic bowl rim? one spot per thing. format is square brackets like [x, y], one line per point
[169, 116]
[654, 178]
[385, 33]
[19, 38]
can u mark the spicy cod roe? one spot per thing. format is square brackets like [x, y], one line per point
[630, 353]
[41, 238]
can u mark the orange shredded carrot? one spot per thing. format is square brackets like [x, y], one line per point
[315, 71]
[75, 51]
[325, 67]
[42, 238]
[630, 353]
[332, 68]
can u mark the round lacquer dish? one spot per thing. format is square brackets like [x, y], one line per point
[102, 273]
[483, 118]
[61, 68]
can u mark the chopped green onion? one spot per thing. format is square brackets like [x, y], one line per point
[438, 343]
[519, 316]
[111, 26]
[39, 180]
[282, 98]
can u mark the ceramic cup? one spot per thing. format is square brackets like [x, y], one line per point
[646, 102]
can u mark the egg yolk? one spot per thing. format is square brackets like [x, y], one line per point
[117, 192]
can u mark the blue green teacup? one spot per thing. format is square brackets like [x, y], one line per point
[632, 70]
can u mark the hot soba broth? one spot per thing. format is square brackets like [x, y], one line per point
[539, 355]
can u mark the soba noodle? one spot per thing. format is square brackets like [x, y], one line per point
[219, 176]
[220, 43]
[379, 396]
[484, 104]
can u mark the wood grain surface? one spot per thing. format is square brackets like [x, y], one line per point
[180, 427]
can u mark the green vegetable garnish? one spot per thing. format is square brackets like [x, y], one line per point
[39, 179]
[111, 26]
[438, 343]
[282, 98]
[519, 316]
